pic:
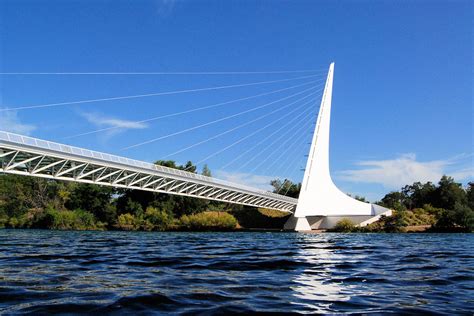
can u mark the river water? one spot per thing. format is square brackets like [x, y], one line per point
[44, 272]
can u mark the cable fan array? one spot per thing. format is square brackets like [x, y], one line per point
[283, 123]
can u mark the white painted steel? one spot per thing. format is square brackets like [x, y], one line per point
[319, 195]
[35, 157]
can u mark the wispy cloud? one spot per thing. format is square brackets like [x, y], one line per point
[405, 169]
[118, 125]
[256, 181]
[10, 122]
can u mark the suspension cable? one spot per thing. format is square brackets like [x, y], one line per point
[286, 162]
[278, 148]
[215, 121]
[245, 124]
[266, 138]
[286, 134]
[233, 144]
[163, 73]
[152, 94]
[283, 153]
[192, 110]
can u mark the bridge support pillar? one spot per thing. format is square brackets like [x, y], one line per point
[297, 224]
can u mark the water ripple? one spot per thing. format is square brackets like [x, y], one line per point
[44, 272]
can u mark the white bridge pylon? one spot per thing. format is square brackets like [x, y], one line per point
[321, 204]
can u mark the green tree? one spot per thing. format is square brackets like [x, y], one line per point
[418, 194]
[394, 200]
[461, 217]
[92, 198]
[470, 195]
[206, 171]
[464, 216]
[144, 198]
[167, 163]
[361, 198]
[132, 207]
[286, 187]
[179, 205]
[448, 193]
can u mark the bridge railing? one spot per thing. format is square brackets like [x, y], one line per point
[44, 144]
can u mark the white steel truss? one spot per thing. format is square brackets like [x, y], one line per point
[34, 157]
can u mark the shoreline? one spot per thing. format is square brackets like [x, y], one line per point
[420, 229]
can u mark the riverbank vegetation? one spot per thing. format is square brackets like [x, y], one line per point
[445, 207]
[28, 202]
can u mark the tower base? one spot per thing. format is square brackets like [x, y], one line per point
[328, 222]
[297, 224]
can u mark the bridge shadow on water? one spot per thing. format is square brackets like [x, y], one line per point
[43, 272]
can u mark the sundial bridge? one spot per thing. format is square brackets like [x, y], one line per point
[320, 204]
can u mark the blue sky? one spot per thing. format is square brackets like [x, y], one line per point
[402, 99]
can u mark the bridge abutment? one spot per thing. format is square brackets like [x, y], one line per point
[297, 224]
[327, 222]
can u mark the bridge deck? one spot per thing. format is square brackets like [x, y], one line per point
[40, 158]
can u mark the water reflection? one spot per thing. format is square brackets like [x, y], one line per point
[314, 288]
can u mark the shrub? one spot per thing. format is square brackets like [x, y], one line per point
[13, 222]
[421, 216]
[208, 221]
[250, 217]
[396, 223]
[157, 219]
[345, 225]
[464, 216]
[432, 210]
[375, 227]
[64, 219]
[3, 221]
[461, 217]
[126, 221]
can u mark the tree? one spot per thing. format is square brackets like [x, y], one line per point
[460, 217]
[464, 217]
[179, 205]
[286, 187]
[132, 207]
[394, 200]
[418, 194]
[18, 194]
[93, 198]
[361, 198]
[206, 171]
[144, 198]
[167, 163]
[189, 167]
[448, 193]
[470, 195]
